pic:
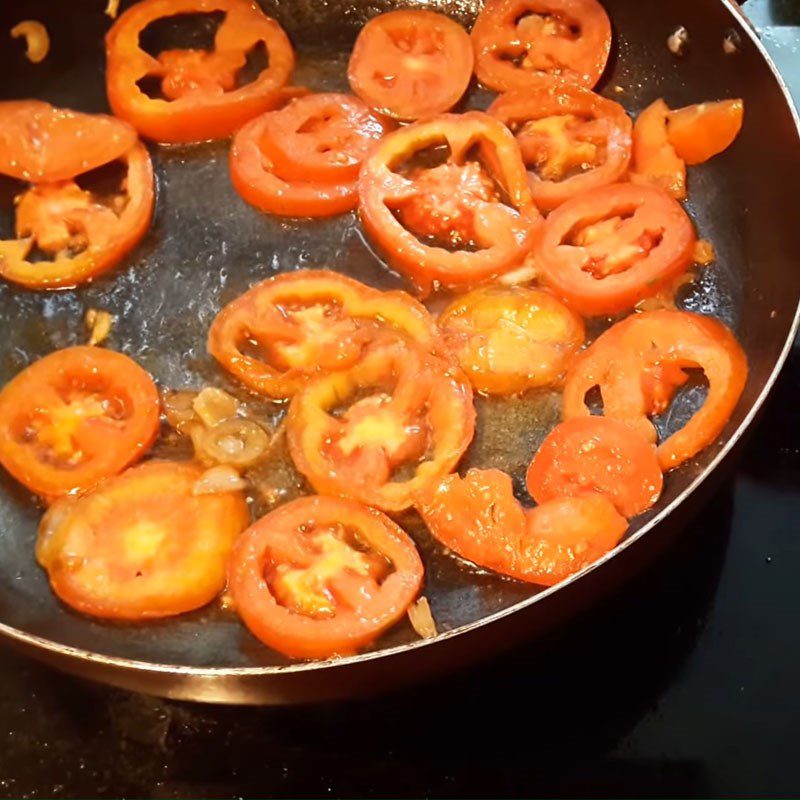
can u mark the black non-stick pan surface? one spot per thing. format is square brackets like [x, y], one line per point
[206, 246]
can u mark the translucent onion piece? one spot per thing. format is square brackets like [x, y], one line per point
[37, 40]
[179, 409]
[219, 479]
[214, 405]
[421, 618]
[239, 442]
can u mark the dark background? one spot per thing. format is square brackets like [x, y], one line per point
[686, 683]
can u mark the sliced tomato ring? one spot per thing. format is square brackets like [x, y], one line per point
[322, 577]
[639, 363]
[287, 329]
[655, 161]
[479, 518]
[255, 178]
[607, 249]
[85, 236]
[410, 64]
[142, 545]
[509, 340]
[321, 137]
[74, 417]
[596, 455]
[201, 99]
[571, 139]
[383, 429]
[449, 204]
[40, 143]
[518, 41]
[703, 130]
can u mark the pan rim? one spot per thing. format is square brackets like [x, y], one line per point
[39, 643]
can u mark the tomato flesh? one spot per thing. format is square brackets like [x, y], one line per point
[703, 130]
[655, 161]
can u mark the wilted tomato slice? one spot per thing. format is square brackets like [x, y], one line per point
[655, 161]
[571, 139]
[201, 93]
[639, 363]
[142, 545]
[518, 41]
[509, 340]
[596, 455]
[289, 328]
[461, 222]
[74, 417]
[40, 143]
[383, 429]
[605, 250]
[84, 234]
[410, 64]
[701, 131]
[479, 518]
[321, 577]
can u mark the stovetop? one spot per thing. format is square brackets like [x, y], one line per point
[683, 684]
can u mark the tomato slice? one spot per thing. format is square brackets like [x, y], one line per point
[607, 249]
[74, 417]
[142, 545]
[640, 362]
[85, 235]
[518, 41]
[457, 230]
[41, 143]
[701, 131]
[509, 340]
[596, 455]
[322, 577]
[321, 137]
[201, 99]
[410, 64]
[380, 431]
[479, 518]
[289, 328]
[655, 160]
[571, 139]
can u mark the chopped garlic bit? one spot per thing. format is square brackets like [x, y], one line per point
[678, 40]
[219, 479]
[37, 40]
[112, 8]
[421, 618]
[98, 323]
[524, 274]
[731, 43]
[214, 405]
[703, 252]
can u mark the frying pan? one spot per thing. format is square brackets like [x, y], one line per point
[206, 246]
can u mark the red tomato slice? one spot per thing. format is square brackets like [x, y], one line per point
[200, 95]
[382, 430]
[639, 363]
[41, 143]
[571, 139]
[655, 161]
[75, 417]
[448, 224]
[509, 340]
[322, 577]
[321, 137]
[596, 455]
[142, 545]
[410, 64]
[518, 41]
[287, 329]
[701, 131]
[479, 518]
[61, 218]
[607, 249]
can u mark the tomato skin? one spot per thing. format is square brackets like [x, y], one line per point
[655, 238]
[104, 251]
[349, 629]
[655, 161]
[42, 144]
[47, 387]
[701, 131]
[533, 349]
[501, 30]
[141, 545]
[504, 233]
[596, 455]
[553, 100]
[389, 65]
[363, 316]
[479, 518]
[207, 112]
[638, 363]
